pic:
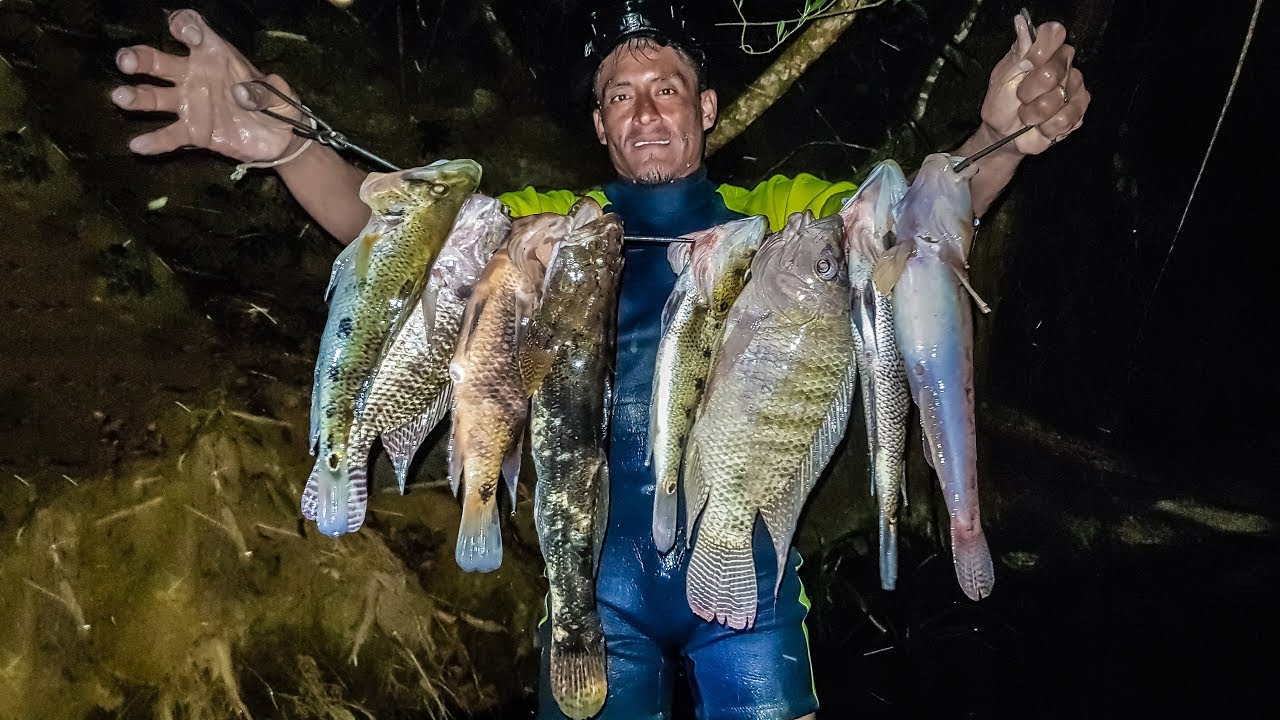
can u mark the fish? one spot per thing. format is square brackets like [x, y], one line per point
[569, 361]
[692, 323]
[926, 274]
[490, 401]
[374, 284]
[886, 398]
[410, 391]
[775, 409]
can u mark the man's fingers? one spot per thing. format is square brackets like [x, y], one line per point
[166, 139]
[1049, 37]
[146, 98]
[1043, 77]
[1070, 115]
[144, 60]
[188, 27]
[1021, 36]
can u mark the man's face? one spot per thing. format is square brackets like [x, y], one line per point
[651, 115]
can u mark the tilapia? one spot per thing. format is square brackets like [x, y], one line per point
[376, 281]
[886, 400]
[490, 402]
[410, 390]
[927, 273]
[569, 358]
[692, 323]
[776, 406]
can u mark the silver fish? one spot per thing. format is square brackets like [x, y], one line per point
[927, 273]
[886, 399]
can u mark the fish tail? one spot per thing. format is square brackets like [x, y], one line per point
[974, 569]
[479, 546]
[888, 551]
[721, 583]
[335, 499]
[578, 680]
[665, 507]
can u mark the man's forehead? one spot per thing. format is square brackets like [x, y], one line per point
[643, 59]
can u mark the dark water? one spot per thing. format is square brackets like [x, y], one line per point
[1125, 588]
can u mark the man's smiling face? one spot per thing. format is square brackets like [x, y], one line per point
[651, 115]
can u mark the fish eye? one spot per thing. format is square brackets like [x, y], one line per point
[439, 189]
[929, 238]
[825, 268]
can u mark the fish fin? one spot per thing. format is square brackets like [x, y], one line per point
[341, 269]
[890, 265]
[679, 253]
[427, 306]
[334, 499]
[533, 357]
[317, 408]
[963, 277]
[479, 547]
[454, 457]
[402, 443]
[721, 580]
[924, 445]
[696, 491]
[974, 569]
[734, 341]
[471, 315]
[780, 517]
[511, 466]
[578, 679]
[888, 552]
[311, 494]
[601, 510]
[364, 254]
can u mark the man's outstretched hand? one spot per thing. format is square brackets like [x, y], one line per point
[215, 104]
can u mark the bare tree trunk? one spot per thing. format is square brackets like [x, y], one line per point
[784, 71]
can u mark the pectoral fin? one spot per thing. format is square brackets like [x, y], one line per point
[890, 265]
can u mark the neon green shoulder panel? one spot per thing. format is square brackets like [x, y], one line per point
[779, 196]
[531, 202]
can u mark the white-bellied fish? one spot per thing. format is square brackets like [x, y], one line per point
[775, 408]
[410, 391]
[490, 401]
[569, 361]
[692, 323]
[376, 281]
[926, 274]
[886, 400]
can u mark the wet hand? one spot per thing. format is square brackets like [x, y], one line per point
[215, 104]
[1035, 84]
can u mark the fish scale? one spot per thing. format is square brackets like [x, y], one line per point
[776, 407]
[375, 282]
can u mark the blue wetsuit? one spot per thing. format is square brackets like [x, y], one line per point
[757, 674]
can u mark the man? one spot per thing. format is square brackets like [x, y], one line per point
[652, 112]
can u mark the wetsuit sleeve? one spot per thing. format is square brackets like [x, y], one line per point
[779, 196]
[531, 202]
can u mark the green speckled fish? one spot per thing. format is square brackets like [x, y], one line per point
[692, 322]
[376, 282]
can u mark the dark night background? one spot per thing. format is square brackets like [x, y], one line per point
[1128, 453]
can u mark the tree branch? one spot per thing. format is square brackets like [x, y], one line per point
[784, 71]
